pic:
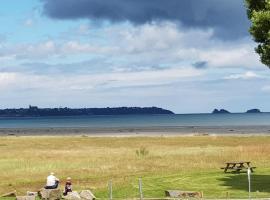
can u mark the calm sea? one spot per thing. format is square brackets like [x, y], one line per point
[140, 121]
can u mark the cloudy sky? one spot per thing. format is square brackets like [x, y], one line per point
[188, 56]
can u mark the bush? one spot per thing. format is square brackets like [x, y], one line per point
[142, 152]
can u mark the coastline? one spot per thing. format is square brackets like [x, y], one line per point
[140, 131]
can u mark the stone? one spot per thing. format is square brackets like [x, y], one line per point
[50, 194]
[25, 197]
[72, 196]
[87, 195]
[10, 194]
[31, 193]
[182, 194]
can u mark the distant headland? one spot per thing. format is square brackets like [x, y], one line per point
[34, 111]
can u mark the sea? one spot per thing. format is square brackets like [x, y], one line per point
[140, 121]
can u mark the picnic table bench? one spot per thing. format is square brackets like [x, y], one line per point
[237, 166]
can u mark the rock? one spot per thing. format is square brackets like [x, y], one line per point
[25, 197]
[72, 196]
[87, 195]
[50, 194]
[182, 194]
[31, 193]
[10, 194]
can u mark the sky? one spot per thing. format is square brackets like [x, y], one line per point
[188, 56]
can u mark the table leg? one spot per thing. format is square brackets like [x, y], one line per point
[226, 168]
[251, 169]
[240, 167]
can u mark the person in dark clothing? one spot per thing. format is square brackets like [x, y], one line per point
[68, 186]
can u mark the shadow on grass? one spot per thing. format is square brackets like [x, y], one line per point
[240, 182]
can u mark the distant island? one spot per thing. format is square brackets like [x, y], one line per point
[221, 111]
[255, 110]
[34, 111]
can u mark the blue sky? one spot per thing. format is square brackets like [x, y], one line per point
[187, 56]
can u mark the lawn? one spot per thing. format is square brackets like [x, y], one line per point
[186, 163]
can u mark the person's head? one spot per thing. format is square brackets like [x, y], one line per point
[68, 179]
[52, 174]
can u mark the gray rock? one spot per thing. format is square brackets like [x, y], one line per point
[31, 193]
[25, 197]
[182, 194]
[72, 196]
[50, 194]
[87, 195]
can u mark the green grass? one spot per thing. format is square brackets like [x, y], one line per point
[213, 184]
[185, 163]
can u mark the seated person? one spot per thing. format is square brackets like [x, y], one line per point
[68, 186]
[52, 182]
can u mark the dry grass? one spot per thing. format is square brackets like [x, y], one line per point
[190, 163]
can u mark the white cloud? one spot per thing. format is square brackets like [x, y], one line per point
[245, 76]
[239, 55]
[75, 47]
[147, 45]
[168, 43]
[31, 51]
[50, 48]
[85, 82]
[159, 37]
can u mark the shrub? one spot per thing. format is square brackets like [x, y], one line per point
[142, 152]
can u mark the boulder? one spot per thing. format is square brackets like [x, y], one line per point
[31, 193]
[10, 194]
[50, 194]
[25, 197]
[87, 195]
[72, 196]
[182, 194]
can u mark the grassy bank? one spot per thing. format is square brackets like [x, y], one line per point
[187, 163]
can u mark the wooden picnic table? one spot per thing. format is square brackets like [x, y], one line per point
[237, 166]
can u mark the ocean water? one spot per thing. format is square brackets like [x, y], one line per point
[140, 121]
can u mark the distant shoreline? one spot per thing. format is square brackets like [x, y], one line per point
[34, 111]
[130, 114]
[139, 131]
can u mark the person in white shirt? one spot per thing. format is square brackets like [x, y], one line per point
[52, 182]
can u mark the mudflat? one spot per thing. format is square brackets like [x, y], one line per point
[140, 131]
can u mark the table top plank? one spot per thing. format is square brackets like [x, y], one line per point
[240, 162]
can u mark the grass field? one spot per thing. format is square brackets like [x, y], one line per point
[186, 163]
